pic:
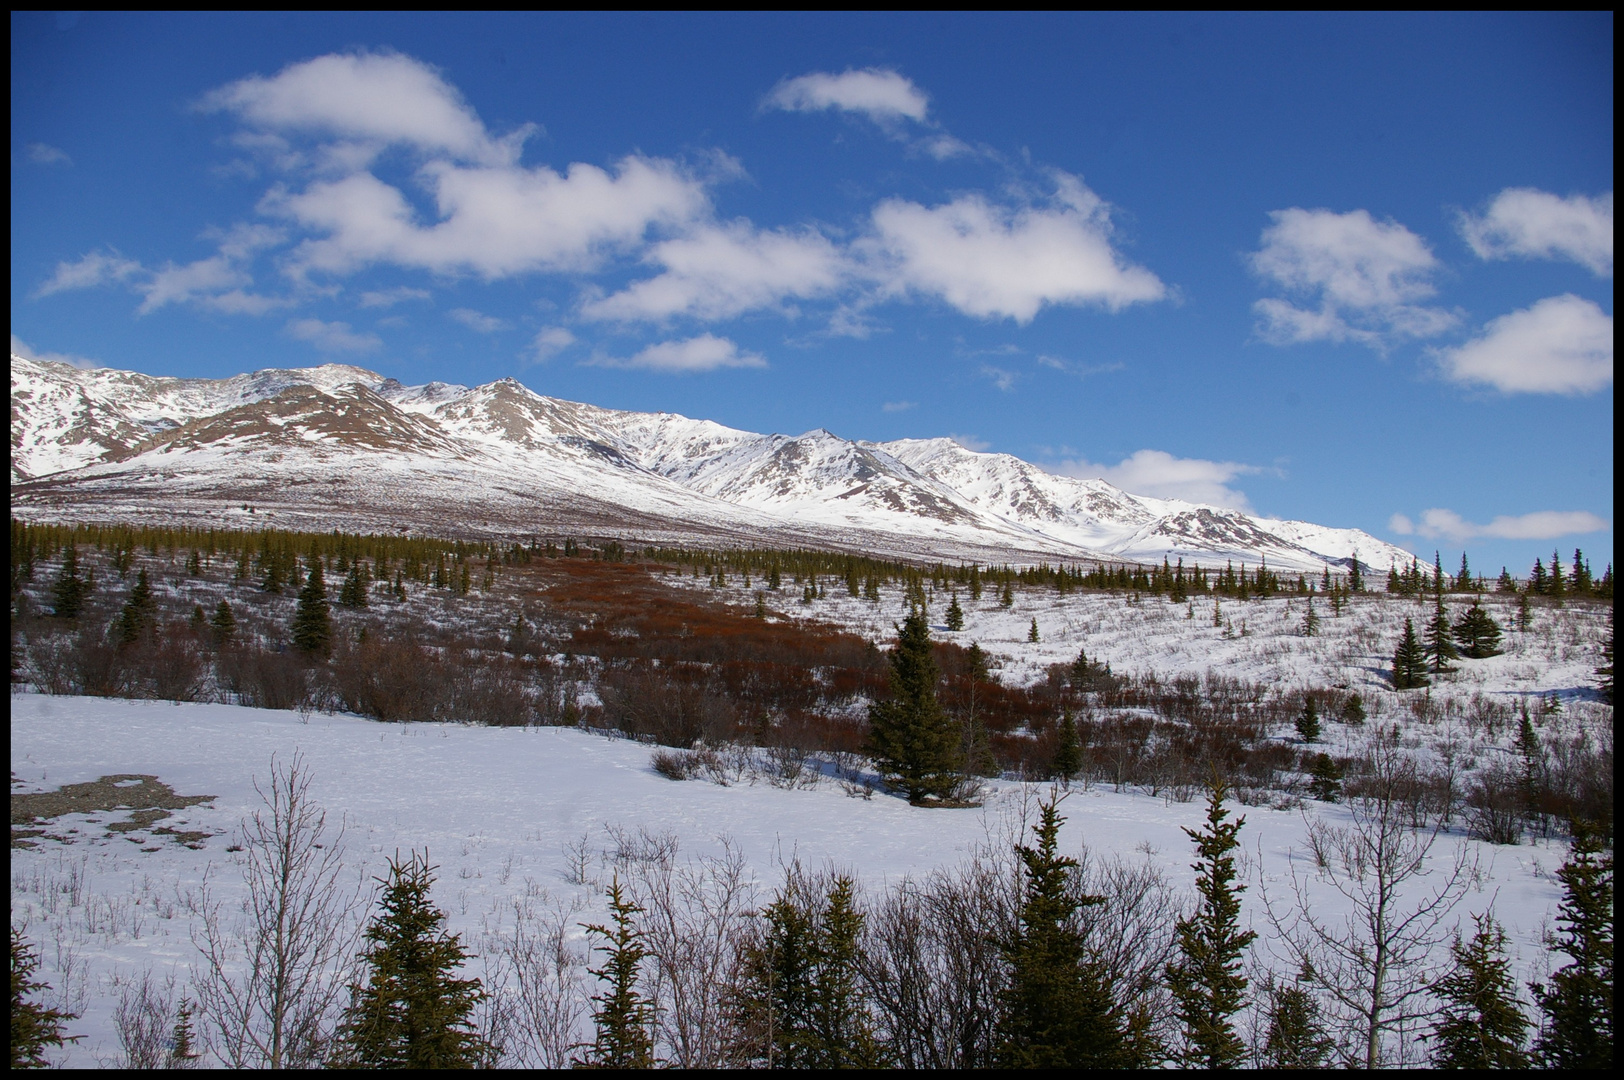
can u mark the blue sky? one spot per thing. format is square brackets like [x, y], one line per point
[1356, 270]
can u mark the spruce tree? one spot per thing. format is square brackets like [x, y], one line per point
[911, 737]
[1206, 979]
[224, 624]
[1463, 580]
[33, 1026]
[1482, 1026]
[1296, 1038]
[1558, 585]
[312, 622]
[623, 1016]
[1325, 779]
[1505, 583]
[1006, 598]
[410, 1011]
[1032, 634]
[1056, 1010]
[139, 611]
[70, 589]
[1311, 621]
[1409, 661]
[1439, 639]
[955, 614]
[1578, 1002]
[1082, 672]
[1356, 580]
[1068, 754]
[353, 593]
[1538, 583]
[1353, 710]
[1478, 633]
[1308, 725]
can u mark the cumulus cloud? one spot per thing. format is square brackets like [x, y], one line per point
[995, 261]
[21, 348]
[333, 337]
[551, 341]
[1160, 475]
[1560, 345]
[96, 268]
[371, 98]
[703, 353]
[44, 154]
[1363, 280]
[1541, 525]
[386, 298]
[1533, 224]
[477, 321]
[719, 271]
[882, 95]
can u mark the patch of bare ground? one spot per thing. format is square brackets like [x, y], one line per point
[148, 800]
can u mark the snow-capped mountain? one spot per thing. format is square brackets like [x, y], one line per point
[339, 446]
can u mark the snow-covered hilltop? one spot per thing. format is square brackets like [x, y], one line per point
[340, 446]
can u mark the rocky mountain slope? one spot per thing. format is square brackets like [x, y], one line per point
[339, 446]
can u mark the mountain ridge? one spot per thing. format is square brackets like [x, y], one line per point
[338, 445]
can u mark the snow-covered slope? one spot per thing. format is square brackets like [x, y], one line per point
[341, 446]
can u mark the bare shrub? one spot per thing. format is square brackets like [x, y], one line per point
[175, 668]
[270, 979]
[549, 1000]
[673, 764]
[263, 679]
[52, 665]
[147, 1018]
[1495, 804]
[397, 681]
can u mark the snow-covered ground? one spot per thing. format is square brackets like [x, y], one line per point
[499, 808]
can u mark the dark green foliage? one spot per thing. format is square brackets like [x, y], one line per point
[139, 611]
[312, 622]
[1325, 779]
[1311, 621]
[197, 620]
[33, 1026]
[1032, 634]
[1308, 725]
[1439, 639]
[411, 1012]
[1068, 754]
[1007, 597]
[1353, 710]
[1478, 634]
[353, 593]
[1409, 661]
[1356, 578]
[1578, 1002]
[224, 623]
[1296, 1038]
[1056, 1010]
[801, 998]
[761, 605]
[910, 736]
[71, 588]
[955, 614]
[1505, 583]
[1206, 980]
[1481, 1026]
[1082, 672]
[623, 1016]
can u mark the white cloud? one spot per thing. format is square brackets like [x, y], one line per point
[478, 322]
[882, 95]
[1160, 475]
[1541, 525]
[719, 271]
[972, 443]
[332, 336]
[1560, 345]
[1363, 276]
[1538, 225]
[368, 98]
[703, 353]
[551, 341]
[44, 154]
[386, 298]
[495, 222]
[1001, 262]
[177, 284]
[899, 406]
[96, 268]
[21, 348]
[1003, 378]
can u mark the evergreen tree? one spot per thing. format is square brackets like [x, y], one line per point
[761, 605]
[1538, 583]
[1007, 598]
[1482, 1026]
[1439, 640]
[1206, 979]
[1082, 672]
[224, 623]
[197, 620]
[1308, 725]
[1068, 754]
[70, 589]
[1296, 1038]
[1582, 583]
[1356, 580]
[411, 1012]
[1478, 633]
[1353, 711]
[1056, 1009]
[1506, 583]
[1325, 779]
[1032, 634]
[775, 580]
[911, 738]
[1558, 585]
[1525, 614]
[139, 611]
[1604, 671]
[353, 593]
[1578, 1002]
[1463, 580]
[975, 582]
[1409, 661]
[312, 622]
[33, 1026]
[1311, 621]
[623, 1015]
[955, 614]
